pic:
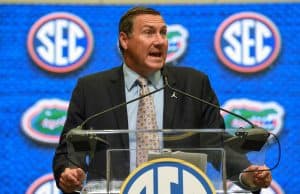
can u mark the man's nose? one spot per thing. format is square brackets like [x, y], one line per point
[159, 39]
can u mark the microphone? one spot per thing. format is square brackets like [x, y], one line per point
[244, 141]
[85, 142]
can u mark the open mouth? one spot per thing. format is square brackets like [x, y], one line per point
[155, 54]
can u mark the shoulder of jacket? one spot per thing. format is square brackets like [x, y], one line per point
[185, 71]
[101, 76]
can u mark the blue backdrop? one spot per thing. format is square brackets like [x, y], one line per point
[23, 83]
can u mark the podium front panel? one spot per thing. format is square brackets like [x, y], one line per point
[109, 158]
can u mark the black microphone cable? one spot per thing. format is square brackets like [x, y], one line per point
[278, 158]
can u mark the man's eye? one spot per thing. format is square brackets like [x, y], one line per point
[148, 32]
[163, 33]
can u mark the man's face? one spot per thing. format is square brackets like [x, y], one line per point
[145, 49]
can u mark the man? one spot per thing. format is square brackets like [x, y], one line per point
[143, 43]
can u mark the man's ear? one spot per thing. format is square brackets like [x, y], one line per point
[123, 38]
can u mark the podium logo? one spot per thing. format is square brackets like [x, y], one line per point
[60, 42]
[177, 38]
[247, 42]
[268, 115]
[43, 185]
[167, 176]
[44, 121]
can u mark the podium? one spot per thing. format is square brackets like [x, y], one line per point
[202, 157]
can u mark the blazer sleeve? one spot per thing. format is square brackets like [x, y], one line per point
[75, 116]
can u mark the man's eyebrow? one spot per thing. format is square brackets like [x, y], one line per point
[152, 26]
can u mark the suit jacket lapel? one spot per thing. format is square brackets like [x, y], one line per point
[169, 102]
[117, 96]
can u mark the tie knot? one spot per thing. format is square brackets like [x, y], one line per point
[143, 82]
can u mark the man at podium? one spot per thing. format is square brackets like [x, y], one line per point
[143, 44]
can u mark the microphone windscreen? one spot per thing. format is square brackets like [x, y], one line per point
[246, 141]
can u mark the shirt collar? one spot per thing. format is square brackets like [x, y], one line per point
[131, 76]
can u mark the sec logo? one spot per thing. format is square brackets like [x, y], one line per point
[60, 42]
[247, 42]
[167, 176]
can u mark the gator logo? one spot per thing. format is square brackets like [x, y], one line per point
[268, 115]
[167, 176]
[274, 188]
[44, 120]
[43, 185]
[177, 37]
[60, 42]
[247, 42]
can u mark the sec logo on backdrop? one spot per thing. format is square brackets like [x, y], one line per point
[60, 42]
[247, 42]
[167, 176]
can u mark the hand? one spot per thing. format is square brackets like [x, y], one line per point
[258, 179]
[71, 179]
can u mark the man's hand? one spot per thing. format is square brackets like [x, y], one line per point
[71, 179]
[257, 178]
